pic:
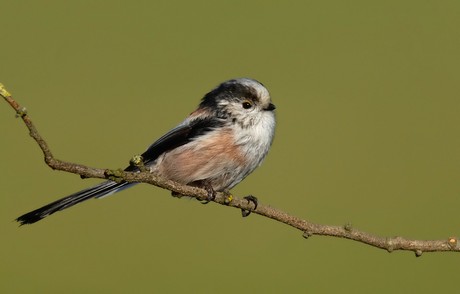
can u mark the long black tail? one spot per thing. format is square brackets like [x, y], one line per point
[103, 189]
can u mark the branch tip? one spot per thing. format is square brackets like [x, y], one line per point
[390, 245]
[138, 161]
[3, 92]
[453, 243]
[348, 227]
[306, 234]
[21, 112]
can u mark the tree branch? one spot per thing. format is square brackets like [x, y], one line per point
[308, 228]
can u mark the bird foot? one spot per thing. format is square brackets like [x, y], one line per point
[253, 199]
[211, 193]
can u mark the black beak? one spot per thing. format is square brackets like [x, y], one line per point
[270, 107]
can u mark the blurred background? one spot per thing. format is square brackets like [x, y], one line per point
[367, 96]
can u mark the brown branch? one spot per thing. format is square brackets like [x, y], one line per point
[308, 228]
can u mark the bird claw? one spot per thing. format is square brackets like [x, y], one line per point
[253, 199]
[211, 194]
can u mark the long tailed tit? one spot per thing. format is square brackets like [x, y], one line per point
[215, 147]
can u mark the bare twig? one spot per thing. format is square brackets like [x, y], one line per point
[309, 229]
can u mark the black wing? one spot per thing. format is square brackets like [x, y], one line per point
[178, 136]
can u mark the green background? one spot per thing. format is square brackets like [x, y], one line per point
[367, 96]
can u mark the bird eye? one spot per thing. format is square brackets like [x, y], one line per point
[247, 104]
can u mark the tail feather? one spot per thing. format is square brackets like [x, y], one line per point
[98, 191]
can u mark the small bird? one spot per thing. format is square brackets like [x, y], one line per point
[214, 148]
